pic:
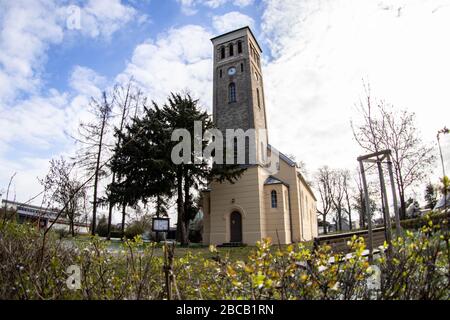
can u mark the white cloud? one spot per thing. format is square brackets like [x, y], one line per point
[323, 49]
[231, 21]
[43, 122]
[178, 60]
[86, 81]
[27, 31]
[40, 128]
[190, 7]
[214, 3]
[243, 3]
[104, 17]
[35, 121]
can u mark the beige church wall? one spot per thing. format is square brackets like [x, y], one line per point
[256, 226]
[313, 215]
[308, 207]
[307, 232]
[304, 224]
[245, 193]
[263, 175]
[288, 174]
[277, 224]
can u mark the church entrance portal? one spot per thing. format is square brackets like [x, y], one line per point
[235, 227]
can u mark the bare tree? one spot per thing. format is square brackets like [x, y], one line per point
[323, 184]
[384, 127]
[5, 214]
[347, 192]
[337, 195]
[359, 199]
[340, 196]
[125, 99]
[65, 190]
[92, 140]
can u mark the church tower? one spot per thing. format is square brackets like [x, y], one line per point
[238, 87]
[262, 203]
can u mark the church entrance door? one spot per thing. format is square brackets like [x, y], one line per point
[235, 227]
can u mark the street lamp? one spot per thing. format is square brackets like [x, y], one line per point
[443, 131]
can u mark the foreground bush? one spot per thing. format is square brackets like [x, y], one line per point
[416, 267]
[416, 223]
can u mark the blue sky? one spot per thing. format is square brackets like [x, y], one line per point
[316, 53]
[109, 56]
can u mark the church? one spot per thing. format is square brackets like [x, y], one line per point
[264, 203]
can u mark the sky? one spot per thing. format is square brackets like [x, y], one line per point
[55, 55]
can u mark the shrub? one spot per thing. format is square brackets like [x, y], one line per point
[133, 230]
[415, 267]
[417, 223]
[116, 233]
[62, 233]
[102, 229]
[418, 265]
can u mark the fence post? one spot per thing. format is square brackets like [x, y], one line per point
[394, 196]
[168, 262]
[386, 215]
[369, 214]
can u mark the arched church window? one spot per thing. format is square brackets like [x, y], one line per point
[231, 49]
[258, 98]
[232, 92]
[220, 72]
[273, 197]
[263, 158]
[222, 53]
[240, 47]
[235, 151]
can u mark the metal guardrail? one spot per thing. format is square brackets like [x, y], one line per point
[338, 242]
[347, 234]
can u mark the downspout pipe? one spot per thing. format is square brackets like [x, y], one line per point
[290, 213]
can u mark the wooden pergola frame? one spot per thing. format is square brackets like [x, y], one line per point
[378, 158]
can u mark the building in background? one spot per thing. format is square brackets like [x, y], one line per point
[42, 217]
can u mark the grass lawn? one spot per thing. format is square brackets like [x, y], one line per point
[235, 253]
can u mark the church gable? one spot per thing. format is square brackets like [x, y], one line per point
[272, 180]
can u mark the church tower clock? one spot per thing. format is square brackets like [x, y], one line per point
[238, 87]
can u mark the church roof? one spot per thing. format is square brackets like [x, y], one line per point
[292, 163]
[273, 180]
[283, 157]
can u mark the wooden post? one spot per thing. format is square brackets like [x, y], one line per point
[386, 215]
[394, 196]
[369, 214]
[168, 259]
